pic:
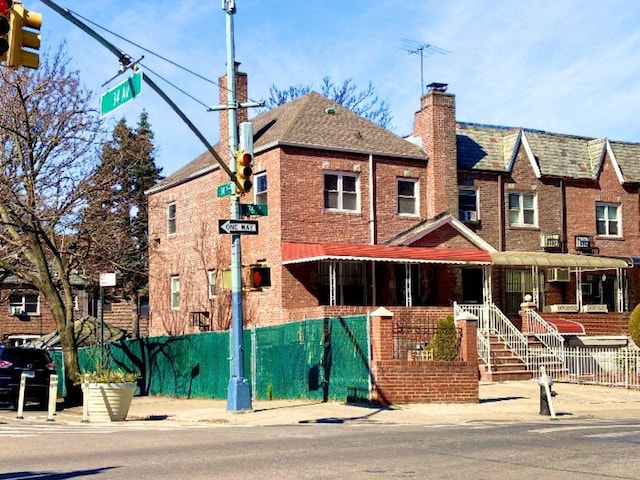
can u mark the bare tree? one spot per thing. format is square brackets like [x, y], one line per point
[48, 133]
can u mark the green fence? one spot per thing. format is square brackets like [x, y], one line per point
[316, 359]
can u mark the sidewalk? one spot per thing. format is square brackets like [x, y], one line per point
[499, 402]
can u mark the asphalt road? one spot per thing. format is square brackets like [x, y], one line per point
[148, 450]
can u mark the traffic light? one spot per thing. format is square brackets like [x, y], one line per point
[23, 33]
[244, 157]
[5, 27]
[260, 277]
[243, 171]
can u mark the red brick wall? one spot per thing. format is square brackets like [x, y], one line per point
[596, 324]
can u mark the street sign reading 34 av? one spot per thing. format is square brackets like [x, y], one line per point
[121, 94]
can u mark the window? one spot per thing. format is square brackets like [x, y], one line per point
[342, 283]
[608, 219]
[211, 275]
[261, 189]
[171, 218]
[407, 197]
[24, 304]
[523, 209]
[468, 205]
[340, 192]
[175, 292]
[518, 284]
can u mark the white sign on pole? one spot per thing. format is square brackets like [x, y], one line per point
[107, 279]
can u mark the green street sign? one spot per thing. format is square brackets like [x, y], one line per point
[253, 210]
[224, 190]
[121, 94]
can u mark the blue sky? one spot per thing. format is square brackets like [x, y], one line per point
[565, 66]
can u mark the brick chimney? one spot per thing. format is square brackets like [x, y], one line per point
[435, 124]
[241, 113]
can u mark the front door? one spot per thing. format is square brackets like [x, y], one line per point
[472, 285]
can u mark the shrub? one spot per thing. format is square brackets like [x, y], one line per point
[445, 341]
[634, 325]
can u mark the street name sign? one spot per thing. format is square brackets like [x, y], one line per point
[247, 227]
[253, 209]
[224, 190]
[121, 94]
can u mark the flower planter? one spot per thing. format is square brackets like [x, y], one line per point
[108, 402]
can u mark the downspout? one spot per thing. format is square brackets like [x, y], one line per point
[372, 227]
[501, 225]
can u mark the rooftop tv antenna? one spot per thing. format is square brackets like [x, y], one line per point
[420, 48]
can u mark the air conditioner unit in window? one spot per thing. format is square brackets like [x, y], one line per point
[16, 310]
[559, 275]
[550, 240]
[468, 215]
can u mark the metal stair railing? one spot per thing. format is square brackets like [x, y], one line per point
[553, 356]
[492, 321]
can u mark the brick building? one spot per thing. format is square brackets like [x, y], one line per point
[359, 217]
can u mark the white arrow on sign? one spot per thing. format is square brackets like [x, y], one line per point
[238, 226]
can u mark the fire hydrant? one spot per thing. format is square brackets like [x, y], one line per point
[544, 400]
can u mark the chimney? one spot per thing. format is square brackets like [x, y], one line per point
[241, 113]
[435, 124]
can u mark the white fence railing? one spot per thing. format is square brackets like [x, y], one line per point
[552, 355]
[616, 367]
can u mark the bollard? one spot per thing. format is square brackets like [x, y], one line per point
[53, 394]
[85, 398]
[23, 386]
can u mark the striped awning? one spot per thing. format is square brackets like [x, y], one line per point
[300, 252]
[565, 260]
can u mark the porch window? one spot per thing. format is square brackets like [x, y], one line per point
[407, 197]
[518, 284]
[341, 192]
[261, 189]
[171, 218]
[468, 205]
[608, 219]
[24, 304]
[350, 281]
[523, 209]
[175, 292]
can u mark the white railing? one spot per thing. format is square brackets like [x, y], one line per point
[552, 355]
[491, 321]
[615, 367]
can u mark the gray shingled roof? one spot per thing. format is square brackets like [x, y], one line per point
[492, 148]
[311, 121]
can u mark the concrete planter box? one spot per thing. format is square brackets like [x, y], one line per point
[108, 402]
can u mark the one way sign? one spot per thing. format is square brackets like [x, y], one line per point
[246, 227]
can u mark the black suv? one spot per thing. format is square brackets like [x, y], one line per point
[38, 367]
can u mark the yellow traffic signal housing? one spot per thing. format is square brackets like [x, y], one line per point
[243, 171]
[22, 35]
[5, 27]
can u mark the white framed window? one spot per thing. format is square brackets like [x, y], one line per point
[260, 189]
[407, 196]
[175, 292]
[211, 277]
[523, 209]
[468, 210]
[608, 222]
[171, 218]
[24, 304]
[341, 192]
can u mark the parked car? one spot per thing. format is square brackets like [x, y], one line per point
[37, 365]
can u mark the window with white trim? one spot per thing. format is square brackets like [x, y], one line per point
[175, 292]
[523, 209]
[608, 222]
[468, 205]
[24, 304]
[171, 218]
[341, 192]
[261, 189]
[407, 196]
[211, 276]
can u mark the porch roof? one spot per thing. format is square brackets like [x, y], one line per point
[299, 252]
[566, 260]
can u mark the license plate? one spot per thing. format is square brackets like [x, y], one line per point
[30, 374]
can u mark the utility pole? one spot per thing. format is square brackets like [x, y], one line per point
[239, 391]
